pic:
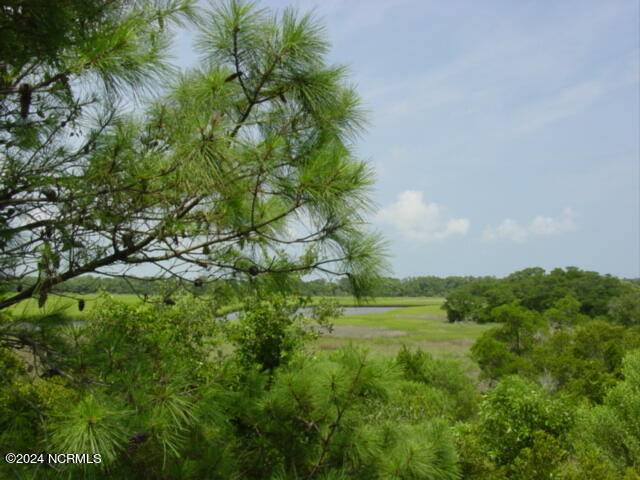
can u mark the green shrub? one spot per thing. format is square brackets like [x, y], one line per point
[142, 388]
[444, 376]
[515, 414]
[625, 309]
[611, 432]
[271, 328]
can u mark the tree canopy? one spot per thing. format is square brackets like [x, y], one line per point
[243, 165]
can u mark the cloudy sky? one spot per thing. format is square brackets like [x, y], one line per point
[504, 134]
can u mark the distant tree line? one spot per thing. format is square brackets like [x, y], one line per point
[424, 286]
[468, 297]
[536, 290]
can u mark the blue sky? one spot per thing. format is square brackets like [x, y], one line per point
[504, 134]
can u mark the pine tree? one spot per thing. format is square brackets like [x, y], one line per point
[228, 158]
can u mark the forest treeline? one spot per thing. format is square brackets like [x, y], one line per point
[537, 290]
[463, 293]
[427, 286]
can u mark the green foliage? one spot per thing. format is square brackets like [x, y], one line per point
[587, 360]
[462, 305]
[524, 432]
[625, 309]
[583, 360]
[565, 313]
[519, 327]
[512, 414]
[428, 286]
[90, 426]
[500, 351]
[127, 388]
[142, 387]
[426, 452]
[422, 286]
[610, 432]
[270, 329]
[19, 421]
[520, 433]
[494, 357]
[317, 417]
[216, 172]
[541, 460]
[536, 290]
[442, 377]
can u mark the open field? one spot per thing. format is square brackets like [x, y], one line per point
[417, 326]
[67, 305]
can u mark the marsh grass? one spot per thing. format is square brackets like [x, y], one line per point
[424, 326]
[417, 322]
[66, 304]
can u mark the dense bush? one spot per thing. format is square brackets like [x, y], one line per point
[269, 330]
[520, 433]
[584, 360]
[142, 386]
[444, 379]
[518, 415]
[537, 290]
[564, 397]
[611, 432]
[176, 391]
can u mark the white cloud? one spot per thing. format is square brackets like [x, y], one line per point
[419, 220]
[511, 230]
